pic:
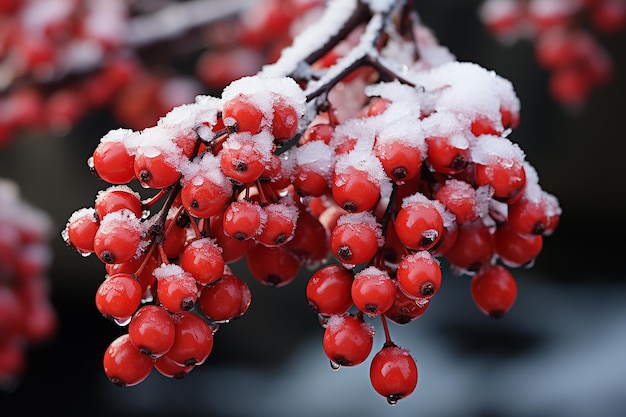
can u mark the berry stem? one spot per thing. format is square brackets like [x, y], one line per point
[388, 341]
[157, 229]
[145, 260]
[149, 202]
[197, 230]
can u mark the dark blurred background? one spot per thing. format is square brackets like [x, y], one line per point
[559, 352]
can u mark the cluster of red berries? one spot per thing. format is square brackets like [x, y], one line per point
[365, 173]
[62, 59]
[27, 317]
[60, 62]
[564, 34]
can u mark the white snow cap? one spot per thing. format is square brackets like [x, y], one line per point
[488, 148]
[470, 91]
[336, 14]
[263, 90]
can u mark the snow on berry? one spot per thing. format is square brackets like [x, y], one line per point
[365, 161]
[488, 148]
[448, 125]
[404, 99]
[124, 221]
[402, 121]
[316, 156]
[361, 219]
[263, 92]
[470, 91]
[204, 110]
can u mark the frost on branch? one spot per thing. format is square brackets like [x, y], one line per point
[365, 154]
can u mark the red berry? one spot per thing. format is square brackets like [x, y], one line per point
[309, 182]
[119, 296]
[280, 224]
[176, 288]
[111, 160]
[516, 249]
[321, 131]
[285, 120]
[419, 276]
[405, 309]
[232, 249]
[225, 300]
[202, 258]
[81, 229]
[243, 158]
[193, 340]
[124, 364]
[328, 290]
[12, 359]
[378, 106]
[243, 219]
[275, 266]
[145, 275]
[462, 200]
[242, 115]
[401, 159]
[205, 190]
[536, 213]
[175, 234]
[355, 190]
[356, 238]
[500, 164]
[348, 340]
[156, 165]
[120, 237]
[116, 198]
[373, 291]
[447, 239]
[313, 168]
[310, 243]
[494, 290]
[393, 373]
[447, 154]
[151, 330]
[473, 247]
[419, 223]
[609, 16]
[168, 368]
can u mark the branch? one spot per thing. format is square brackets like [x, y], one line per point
[178, 18]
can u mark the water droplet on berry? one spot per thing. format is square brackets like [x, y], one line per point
[145, 214]
[391, 400]
[122, 321]
[421, 302]
[147, 296]
[90, 163]
[334, 366]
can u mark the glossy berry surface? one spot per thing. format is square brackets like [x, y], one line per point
[328, 290]
[494, 290]
[124, 364]
[347, 340]
[373, 291]
[151, 330]
[393, 373]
